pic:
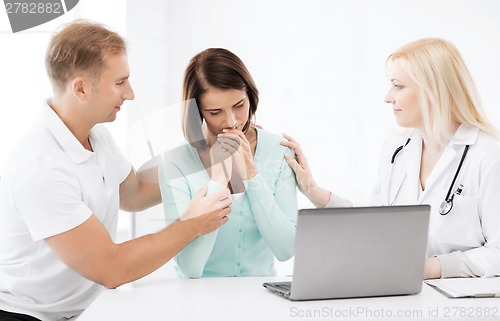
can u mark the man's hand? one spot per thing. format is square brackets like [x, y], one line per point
[202, 204]
[89, 250]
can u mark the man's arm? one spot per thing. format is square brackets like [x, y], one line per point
[89, 250]
[140, 191]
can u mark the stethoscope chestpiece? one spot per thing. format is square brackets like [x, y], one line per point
[445, 207]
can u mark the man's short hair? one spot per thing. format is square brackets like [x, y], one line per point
[80, 48]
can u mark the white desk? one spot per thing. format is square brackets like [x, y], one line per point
[246, 299]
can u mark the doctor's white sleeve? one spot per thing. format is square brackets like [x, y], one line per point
[338, 201]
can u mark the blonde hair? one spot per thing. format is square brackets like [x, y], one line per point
[80, 47]
[448, 96]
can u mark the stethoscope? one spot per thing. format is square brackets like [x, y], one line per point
[447, 204]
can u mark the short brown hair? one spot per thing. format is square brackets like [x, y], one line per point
[80, 47]
[218, 68]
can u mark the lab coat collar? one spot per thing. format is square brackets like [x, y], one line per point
[465, 135]
[412, 159]
[73, 148]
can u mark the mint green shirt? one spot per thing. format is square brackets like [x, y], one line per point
[261, 225]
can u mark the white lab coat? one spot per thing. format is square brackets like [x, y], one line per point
[471, 230]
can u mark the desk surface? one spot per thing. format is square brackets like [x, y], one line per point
[246, 299]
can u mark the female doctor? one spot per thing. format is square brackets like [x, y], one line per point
[446, 157]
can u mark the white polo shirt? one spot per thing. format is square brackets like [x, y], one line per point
[52, 184]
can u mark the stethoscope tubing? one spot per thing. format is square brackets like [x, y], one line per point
[456, 173]
[447, 204]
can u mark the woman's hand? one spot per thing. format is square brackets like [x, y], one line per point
[220, 159]
[305, 180]
[243, 158]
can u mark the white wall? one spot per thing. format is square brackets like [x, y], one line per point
[320, 67]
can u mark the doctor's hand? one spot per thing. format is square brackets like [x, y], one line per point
[300, 166]
[305, 180]
[243, 158]
[432, 268]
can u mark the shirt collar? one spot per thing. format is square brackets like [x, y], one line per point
[465, 135]
[73, 148]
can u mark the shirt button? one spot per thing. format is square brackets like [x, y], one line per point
[241, 230]
[239, 246]
[238, 264]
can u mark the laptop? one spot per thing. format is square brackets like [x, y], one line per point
[357, 252]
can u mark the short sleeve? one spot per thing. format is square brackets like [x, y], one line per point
[48, 197]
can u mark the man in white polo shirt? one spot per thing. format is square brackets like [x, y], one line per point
[65, 182]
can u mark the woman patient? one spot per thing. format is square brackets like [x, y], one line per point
[226, 150]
